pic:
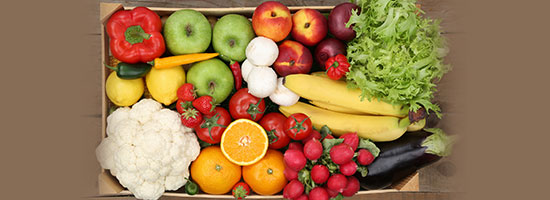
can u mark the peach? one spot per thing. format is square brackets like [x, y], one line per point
[272, 20]
[294, 58]
[309, 26]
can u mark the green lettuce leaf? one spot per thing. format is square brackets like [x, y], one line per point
[397, 56]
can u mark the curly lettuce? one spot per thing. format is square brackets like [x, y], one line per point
[396, 56]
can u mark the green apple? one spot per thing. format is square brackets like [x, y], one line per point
[232, 33]
[187, 31]
[211, 77]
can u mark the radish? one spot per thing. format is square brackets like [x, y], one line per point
[295, 159]
[296, 145]
[351, 139]
[314, 134]
[290, 174]
[337, 182]
[352, 187]
[313, 149]
[329, 136]
[365, 157]
[318, 193]
[341, 154]
[293, 189]
[303, 197]
[331, 193]
[319, 174]
[349, 168]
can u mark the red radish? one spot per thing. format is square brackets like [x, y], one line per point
[351, 139]
[313, 149]
[303, 197]
[319, 174]
[328, 137]
[337, 182]
[314, 134]
[349, 168]
[318, 193]
[365, 157]
[341, 154]
[331, 193]
[352, 187]
[295, 159]
[296, 145]
[290, 174]
[293, 189]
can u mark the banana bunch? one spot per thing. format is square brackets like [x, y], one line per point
[342, 110]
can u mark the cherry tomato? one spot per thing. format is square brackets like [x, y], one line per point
[212, 126]
[243, 105]
[273, 124]
[298, 126]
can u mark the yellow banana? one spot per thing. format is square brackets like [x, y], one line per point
[322, 74]
[336, 108]
[376, 128]
[322, 89]
[416, 126]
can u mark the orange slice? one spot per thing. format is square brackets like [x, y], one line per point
[244, 142]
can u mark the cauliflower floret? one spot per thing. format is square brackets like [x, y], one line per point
[143, 110]
[148, 149]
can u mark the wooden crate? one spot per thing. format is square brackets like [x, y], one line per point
[109, 186]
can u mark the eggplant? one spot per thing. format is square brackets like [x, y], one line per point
[402, 157]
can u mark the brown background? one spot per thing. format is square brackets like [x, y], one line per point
[50, 94]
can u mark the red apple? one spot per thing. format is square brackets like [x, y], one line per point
[294, 58]
[272, 20]
[337, 20]
[327, 48]
[309, 26]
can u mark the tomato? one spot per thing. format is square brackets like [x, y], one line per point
[273, 124]
[298, 126]
[212, 126]
[243, 105]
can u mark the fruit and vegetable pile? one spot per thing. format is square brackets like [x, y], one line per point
[309, 105]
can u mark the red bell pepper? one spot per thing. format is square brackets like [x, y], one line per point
[337, 66]
[135, 35]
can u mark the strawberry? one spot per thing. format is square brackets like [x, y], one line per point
[240, 190]
[191, 117]
[181, 105]
[204, 104]
[187, 92]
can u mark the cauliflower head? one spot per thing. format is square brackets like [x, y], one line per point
[148, 149]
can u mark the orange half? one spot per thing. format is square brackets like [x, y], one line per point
[244, 142]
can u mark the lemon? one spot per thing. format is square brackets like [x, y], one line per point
[163, 84]
[123, 92]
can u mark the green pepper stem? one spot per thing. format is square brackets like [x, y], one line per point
[110, 67]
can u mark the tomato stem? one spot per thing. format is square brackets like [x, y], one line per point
[298, 127]
[254, 109]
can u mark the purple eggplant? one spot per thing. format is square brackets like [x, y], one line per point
[402, 157]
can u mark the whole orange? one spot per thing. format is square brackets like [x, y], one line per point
[213, 172]
[266, 176]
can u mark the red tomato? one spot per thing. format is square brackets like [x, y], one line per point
[212, 126]
[298, 126]
[243, 105]
[273, 124]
